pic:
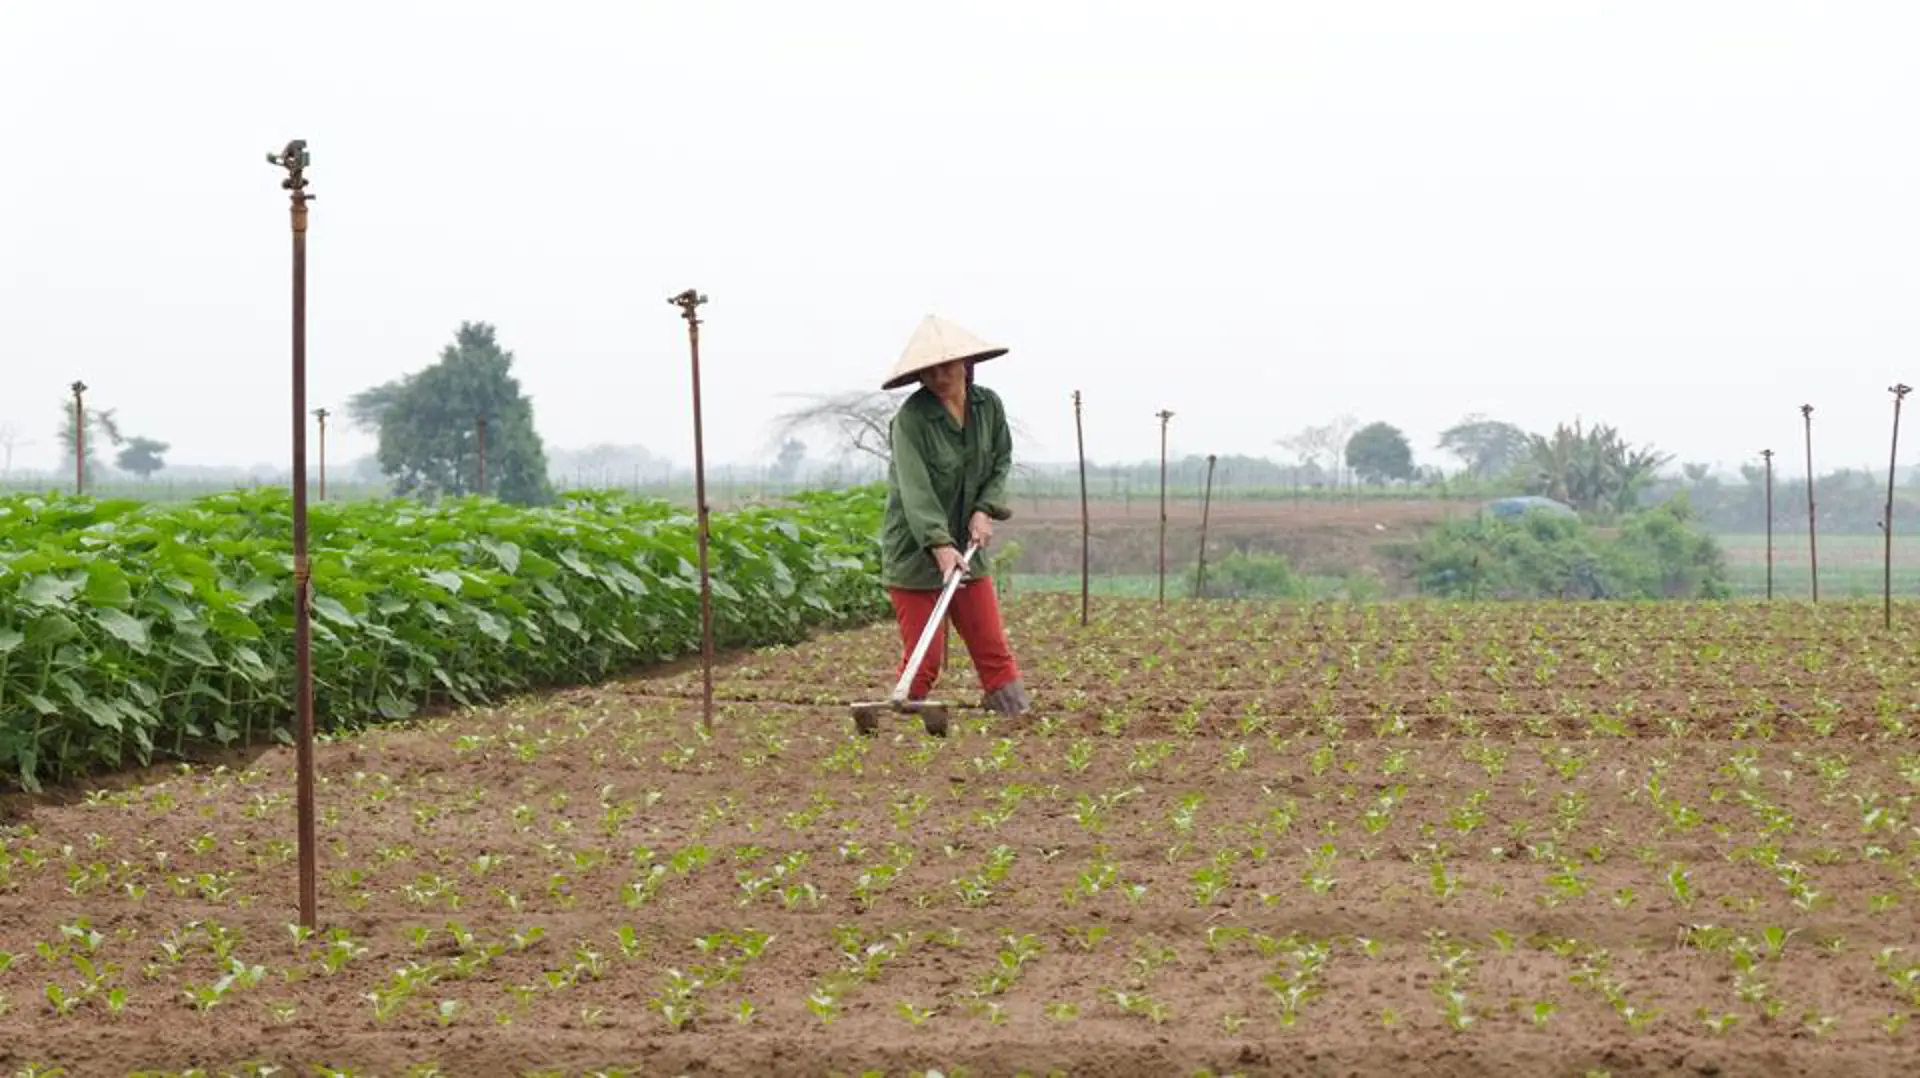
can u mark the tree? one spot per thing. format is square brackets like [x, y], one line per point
[862, 420]
[1590, 469]
[793, 453]
[100, 425]
[1343, 426]
[1309, 444]
[10, 440]
[1378, 452]
[1488, 447]
[142, 457]
[603, 463]
[429, 424]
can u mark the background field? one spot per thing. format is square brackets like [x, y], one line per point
[1334, 539]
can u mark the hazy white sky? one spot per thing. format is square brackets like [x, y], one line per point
[1686, 218]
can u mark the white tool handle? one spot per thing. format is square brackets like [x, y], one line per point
[905, 684]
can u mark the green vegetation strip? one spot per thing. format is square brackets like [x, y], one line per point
[130, 628]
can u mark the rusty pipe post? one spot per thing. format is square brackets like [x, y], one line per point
[687, 301]
[1206, 511]
[1893, 462]
[321, 414]
[481, 477]
[79, 439]
[1813, 546]
[1767, 455]
[1163, 415]
[295, 160]
[1086, 528]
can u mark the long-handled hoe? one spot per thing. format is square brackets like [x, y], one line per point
[933, 714]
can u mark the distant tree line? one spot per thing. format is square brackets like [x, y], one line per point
[136, 454]
[1848, 501]
[463, 421]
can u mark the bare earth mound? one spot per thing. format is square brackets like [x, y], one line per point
[1317, 536]
[1259, 840]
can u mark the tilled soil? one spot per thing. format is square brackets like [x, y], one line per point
[1252, 840]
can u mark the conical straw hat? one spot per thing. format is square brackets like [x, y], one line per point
[938, 341]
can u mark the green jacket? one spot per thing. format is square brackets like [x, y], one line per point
[940, 475]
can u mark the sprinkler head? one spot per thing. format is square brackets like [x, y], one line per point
[294, 156]
[687, 301]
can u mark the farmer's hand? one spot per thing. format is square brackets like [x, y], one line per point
[949, 561]
[980, 529]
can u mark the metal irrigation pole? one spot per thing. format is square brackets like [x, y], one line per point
[687, 301]
[295, 160]
[79, 439]
[1086, 528]
[321, 414]
[1767, 455]
[1813, 547]
[1206, 511]
[1893, 462]
[1164, 416]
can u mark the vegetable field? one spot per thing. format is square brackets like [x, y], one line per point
[1391, 839]
[130, 627]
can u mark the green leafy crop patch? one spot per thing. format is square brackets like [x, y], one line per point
[130, 629]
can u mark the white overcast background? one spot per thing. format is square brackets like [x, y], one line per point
[1685, 218]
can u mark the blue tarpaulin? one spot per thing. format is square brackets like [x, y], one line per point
[1520, 506]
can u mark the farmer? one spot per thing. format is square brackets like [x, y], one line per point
[946, 485]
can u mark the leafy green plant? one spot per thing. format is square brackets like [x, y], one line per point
[131, 630]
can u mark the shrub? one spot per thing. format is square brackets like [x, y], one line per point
[1656, 555]
[1242, 575]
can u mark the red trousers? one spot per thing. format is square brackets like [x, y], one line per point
[975, 612]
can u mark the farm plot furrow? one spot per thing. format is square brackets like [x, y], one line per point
[1287, 879]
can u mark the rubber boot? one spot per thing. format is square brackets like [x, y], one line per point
[1008, 699]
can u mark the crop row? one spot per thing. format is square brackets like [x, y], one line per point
[1030, 887]
[1153, 873]
[130, 628]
